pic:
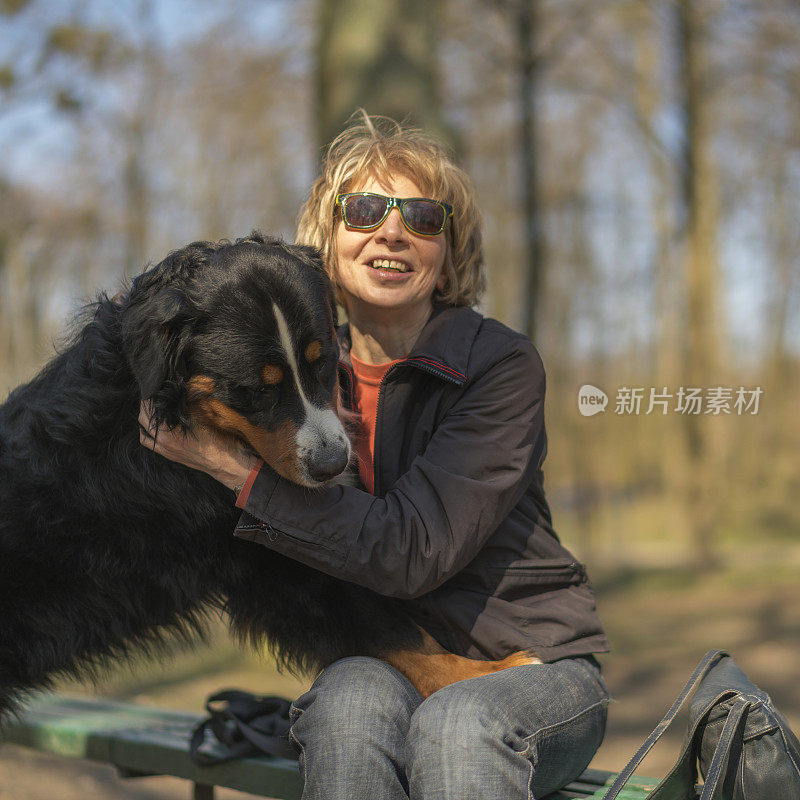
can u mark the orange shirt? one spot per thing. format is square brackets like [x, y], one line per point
[368, 379]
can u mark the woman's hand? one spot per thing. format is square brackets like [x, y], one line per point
[222, 459]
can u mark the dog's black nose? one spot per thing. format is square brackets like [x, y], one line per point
[328, 463]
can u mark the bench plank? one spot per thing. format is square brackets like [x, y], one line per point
[140, 741]
[594, 784]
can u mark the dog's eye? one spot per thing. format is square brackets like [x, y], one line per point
[264, 392]
[264, 398]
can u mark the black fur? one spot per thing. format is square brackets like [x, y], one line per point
[105, 547]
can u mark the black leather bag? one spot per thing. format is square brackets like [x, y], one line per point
[742, 743]
[243, 725]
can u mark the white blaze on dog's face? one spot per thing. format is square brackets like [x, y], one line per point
[323, 449]
[263, 360]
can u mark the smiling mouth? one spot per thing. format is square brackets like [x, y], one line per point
[388, 264]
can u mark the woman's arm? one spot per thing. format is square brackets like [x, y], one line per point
[438, 515]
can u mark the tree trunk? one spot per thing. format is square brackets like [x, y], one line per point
[136, 130]
[699, 232]
[526, 15]
[380, 57]
[136, 192]
[666, 278]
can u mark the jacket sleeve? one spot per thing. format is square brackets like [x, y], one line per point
[438, 515]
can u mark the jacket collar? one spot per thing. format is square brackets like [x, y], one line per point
[443, 347]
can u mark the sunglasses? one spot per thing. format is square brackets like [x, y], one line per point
[364, 211]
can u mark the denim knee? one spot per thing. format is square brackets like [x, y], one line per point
[349, 730]
[457, 720]
[350, 700]
[522, 732]
[456, 747]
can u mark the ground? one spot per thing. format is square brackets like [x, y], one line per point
[660, 621]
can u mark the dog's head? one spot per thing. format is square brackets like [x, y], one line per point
[240, 337]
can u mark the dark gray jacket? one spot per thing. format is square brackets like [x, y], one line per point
[459, 526]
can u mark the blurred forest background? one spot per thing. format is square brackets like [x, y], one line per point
[637, 163]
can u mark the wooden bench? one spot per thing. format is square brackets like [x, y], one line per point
[141, 741]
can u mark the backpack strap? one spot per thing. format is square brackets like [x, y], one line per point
[703, 668]
[245, 725]
[734, 723]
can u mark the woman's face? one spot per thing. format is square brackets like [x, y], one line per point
[389, 269]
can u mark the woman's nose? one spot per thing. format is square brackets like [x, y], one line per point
[392, 228]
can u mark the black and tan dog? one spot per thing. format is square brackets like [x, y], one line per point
[106, 547]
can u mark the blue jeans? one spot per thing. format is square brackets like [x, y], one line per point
[363, 731]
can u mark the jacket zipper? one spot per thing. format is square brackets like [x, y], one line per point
[413, 362]
[573, 567]
[259, 525]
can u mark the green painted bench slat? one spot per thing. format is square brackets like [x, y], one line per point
[141, 741]
[594, 784]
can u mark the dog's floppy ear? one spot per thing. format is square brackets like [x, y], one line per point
[313, 258]
[157, 326]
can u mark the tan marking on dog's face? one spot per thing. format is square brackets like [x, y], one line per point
[278, 448]
[201, 385]
[313, 351]
[272, 375]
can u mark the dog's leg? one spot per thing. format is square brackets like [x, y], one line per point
[432, 667]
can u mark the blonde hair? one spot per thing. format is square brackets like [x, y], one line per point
[381, 147]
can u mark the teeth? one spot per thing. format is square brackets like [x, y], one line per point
[385, 263]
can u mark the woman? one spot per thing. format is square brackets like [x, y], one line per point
[453, 519]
